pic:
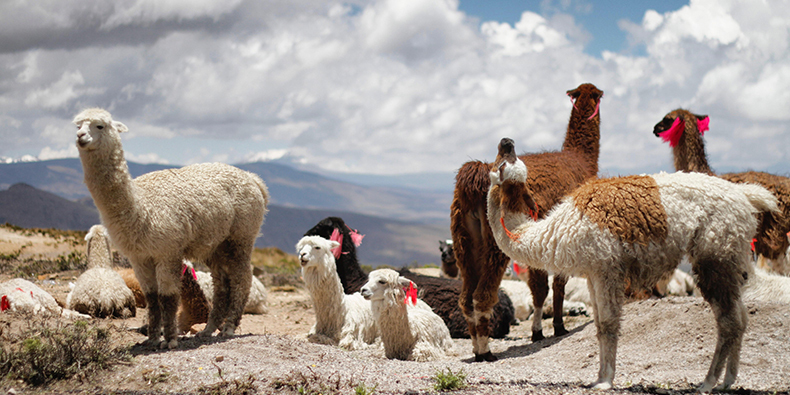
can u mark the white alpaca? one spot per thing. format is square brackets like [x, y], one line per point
[637, 229]
[407, 332]
[206, 212]
[341, 320]
[20, 295]
[765, 286]
[101, 291]
[256, 302]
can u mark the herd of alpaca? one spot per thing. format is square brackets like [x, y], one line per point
[548, 211]
[480, 262]
[633, 230]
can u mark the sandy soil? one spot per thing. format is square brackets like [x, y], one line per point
[665, 347]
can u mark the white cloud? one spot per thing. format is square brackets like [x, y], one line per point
[48, 153]
[389, 86]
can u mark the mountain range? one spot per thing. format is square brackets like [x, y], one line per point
[401, 225]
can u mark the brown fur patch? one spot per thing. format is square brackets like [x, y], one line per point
[630, 207]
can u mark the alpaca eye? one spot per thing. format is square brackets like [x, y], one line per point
[100, 127]
[382, 282]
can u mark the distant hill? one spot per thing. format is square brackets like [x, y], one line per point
[28, 207]
[288, 187]
[390, 242]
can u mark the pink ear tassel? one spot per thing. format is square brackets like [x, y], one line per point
[573, 102]
[194, 275]
[596, 110]
[338, 237]
[702, 125]
[411, 295]
[672, 135]
[356, 238]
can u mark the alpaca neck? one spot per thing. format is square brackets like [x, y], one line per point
[110, 184]
[327, 295]
[99, 253]
[527, 248]
[583, 136]
[392, 317]
[689, 154]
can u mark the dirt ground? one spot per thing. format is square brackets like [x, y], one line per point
[665, 347]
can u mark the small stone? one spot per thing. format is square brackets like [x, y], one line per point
[219, 358]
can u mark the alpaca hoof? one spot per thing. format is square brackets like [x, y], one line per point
[705, 387]
[227, 332]
[205, 333]
[172, 344]
[487, 357]
[537, 336]
[154, 343]
[560, 331]
[602, 386]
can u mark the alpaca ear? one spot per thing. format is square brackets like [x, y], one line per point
[119, 127]
[403, 281]
[333, 244]
[703, 122]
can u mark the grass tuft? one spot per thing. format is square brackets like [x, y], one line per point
[449, 381]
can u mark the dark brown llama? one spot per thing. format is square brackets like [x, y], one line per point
[684, 131]
[480, 262]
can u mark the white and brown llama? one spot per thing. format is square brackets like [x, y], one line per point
[480, 262]
[635, 229]
[684, 131]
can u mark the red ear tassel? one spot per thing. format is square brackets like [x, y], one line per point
[4, 303]
[516, 268]
[702, 125]
[411, 295]
[672, 135]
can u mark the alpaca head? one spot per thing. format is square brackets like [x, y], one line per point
[509, 173]
[94, 127]
[385, 284]
[676, 123]
[316, 252]
[586, 99]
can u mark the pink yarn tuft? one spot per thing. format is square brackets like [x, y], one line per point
[702, 125]
[516, 268]
[411, 295]
[672, 135]
[356, 238]
[338, 237]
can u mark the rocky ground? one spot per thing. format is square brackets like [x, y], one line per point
[665, 347]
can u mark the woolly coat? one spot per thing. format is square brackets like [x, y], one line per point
[342, 320]
[256, 301]
[100, 291]
[407, 332]
[22, 296]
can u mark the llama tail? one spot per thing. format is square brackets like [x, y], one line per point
[760, 198]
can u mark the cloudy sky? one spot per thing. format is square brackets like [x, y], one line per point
[394, 86]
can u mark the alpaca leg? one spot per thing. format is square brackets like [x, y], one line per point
[169, 281]
[720, 283]
[558, 286]
[239, 291]
[608, 298]
[146, 277]
[539, 286]
[486, 296]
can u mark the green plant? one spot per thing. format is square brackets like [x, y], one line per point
[449, 381]
[233, 387]
[73, 261]
[362, 389]
[48, 350]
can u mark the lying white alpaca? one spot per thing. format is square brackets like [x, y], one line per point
[100, 291]
[20, 295]
[340, 320]
[407, 332]
[256, 302]
[208, 212]
[765, 286]
[636, 229]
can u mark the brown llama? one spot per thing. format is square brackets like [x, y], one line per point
[480, 262]
[684, 131]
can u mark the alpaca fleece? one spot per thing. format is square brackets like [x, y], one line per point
[689, 155]
[480, 262]
[407, 332]
[256, 302]
[100, 291]
[630, 207]
[206, 212]
[709, 219]
[341, 320]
